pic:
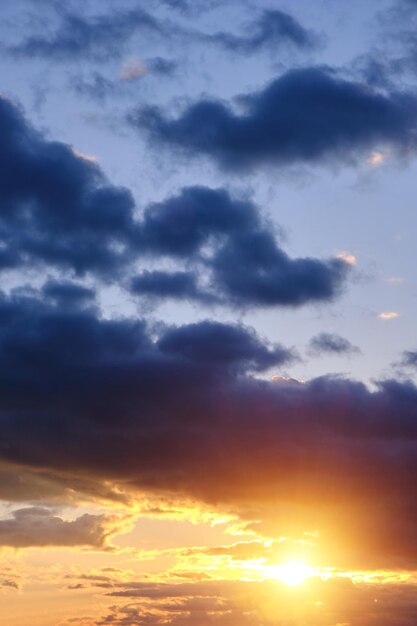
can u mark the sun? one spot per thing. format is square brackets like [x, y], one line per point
[293, 573]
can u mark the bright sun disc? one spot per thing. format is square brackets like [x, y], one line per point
[293, 573]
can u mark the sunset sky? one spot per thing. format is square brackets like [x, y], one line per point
[208, 350]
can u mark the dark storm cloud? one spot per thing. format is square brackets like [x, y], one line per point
[247, 267]
[330, 343]
[57, 205]
[179, 411]
[272, 29]
[39, 527]
[305, 115]
[101, 37]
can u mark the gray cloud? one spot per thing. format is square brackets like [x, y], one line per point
[39, 527]
[331, 343]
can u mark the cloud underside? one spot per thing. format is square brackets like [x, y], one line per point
[306, 115]
[183, 413]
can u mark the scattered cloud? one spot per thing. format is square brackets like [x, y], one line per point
[388, 315]
[306, 115]
[409, 359]
[329, 343]
[396, 280]
[39, 527]
[100, 38]
[132, 69]
[272, 30]
[96, 230]
[377, 158]
[246, 265]
[349, 258]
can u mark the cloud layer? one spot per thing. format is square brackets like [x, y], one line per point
[181, 412]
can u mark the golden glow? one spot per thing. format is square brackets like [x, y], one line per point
[85, 157]
[377, 158]
[347, 257]
[389, 315]
[293, 573]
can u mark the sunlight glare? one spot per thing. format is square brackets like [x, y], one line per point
[293, 573]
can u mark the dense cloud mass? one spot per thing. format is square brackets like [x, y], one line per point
[305, 115]
[57, 207]
[67, 294]
[175, 285]
[246, 265]
[182, 413]
[219, 345]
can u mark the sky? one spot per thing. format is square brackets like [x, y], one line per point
[208, 360]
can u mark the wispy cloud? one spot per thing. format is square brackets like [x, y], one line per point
[388, 315]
